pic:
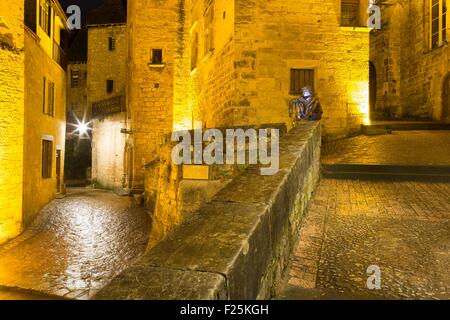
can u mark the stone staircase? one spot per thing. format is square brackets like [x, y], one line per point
[419, 161]
[387, 172]
[382, 127]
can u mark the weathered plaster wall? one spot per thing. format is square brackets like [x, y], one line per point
[11, 117]
[38, 191]
[108, 149]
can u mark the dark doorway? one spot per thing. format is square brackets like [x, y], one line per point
[372, 89]
[58, 170]
[446, 99]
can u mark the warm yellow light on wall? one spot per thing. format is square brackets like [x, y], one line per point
[185, 124]
[359, 98]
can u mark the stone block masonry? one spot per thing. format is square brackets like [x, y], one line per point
[237, 245]
[11, 117]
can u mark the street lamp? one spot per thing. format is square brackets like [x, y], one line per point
[82, 128]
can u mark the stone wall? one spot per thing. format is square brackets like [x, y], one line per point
[11, 117]
[38, 191]
[245, 78]
[108, 142]
[274, 36]
[213, 79]
[108, 150]
[236, 246]
[410, 75]
[77, 103]
[150, 91]
[104, 64]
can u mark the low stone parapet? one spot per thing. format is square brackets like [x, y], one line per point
[236, 246]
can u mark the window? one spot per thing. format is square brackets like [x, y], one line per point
[194, 52]
[48, 100]
[75, 78]
[157, 56]
[47, 157]
[350, 10]
[112, 43]
[209, 26]
[301, 78]
[109, 86]
[45, 15]
[438, 18]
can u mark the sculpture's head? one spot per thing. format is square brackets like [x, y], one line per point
[307, 92]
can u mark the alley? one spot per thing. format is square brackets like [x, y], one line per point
[77, 245]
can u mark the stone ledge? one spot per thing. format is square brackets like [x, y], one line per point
[236, 246]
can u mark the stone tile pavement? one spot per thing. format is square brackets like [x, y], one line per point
[402, 227]
[77, 245]
[400, 147]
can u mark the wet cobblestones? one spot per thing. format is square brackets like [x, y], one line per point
[400, 147]
[76, 246]
[402, 227]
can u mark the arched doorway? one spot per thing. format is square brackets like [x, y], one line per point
[372, 88]
[446, 99]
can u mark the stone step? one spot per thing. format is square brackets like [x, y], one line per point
[397, 172]
[386, 127]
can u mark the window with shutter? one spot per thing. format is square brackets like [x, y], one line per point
[301, 78]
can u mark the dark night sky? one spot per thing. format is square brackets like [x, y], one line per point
[85, 5]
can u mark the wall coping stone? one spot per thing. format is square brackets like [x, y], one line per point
[224, 250]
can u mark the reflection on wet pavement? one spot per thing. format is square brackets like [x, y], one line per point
[77, 245]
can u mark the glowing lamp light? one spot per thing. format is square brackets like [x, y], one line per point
[82, 128]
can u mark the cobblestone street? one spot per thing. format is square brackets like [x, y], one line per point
[77, 245]
[403, 227]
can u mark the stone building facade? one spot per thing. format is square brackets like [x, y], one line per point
[45, 105]
[410, 61]
[33, 126]
[106, 70]
[11, 117]
[231, 63]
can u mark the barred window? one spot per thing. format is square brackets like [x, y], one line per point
[47, 159]
[301, 78]
[112, 43]
[350, 10]
[75, 78]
